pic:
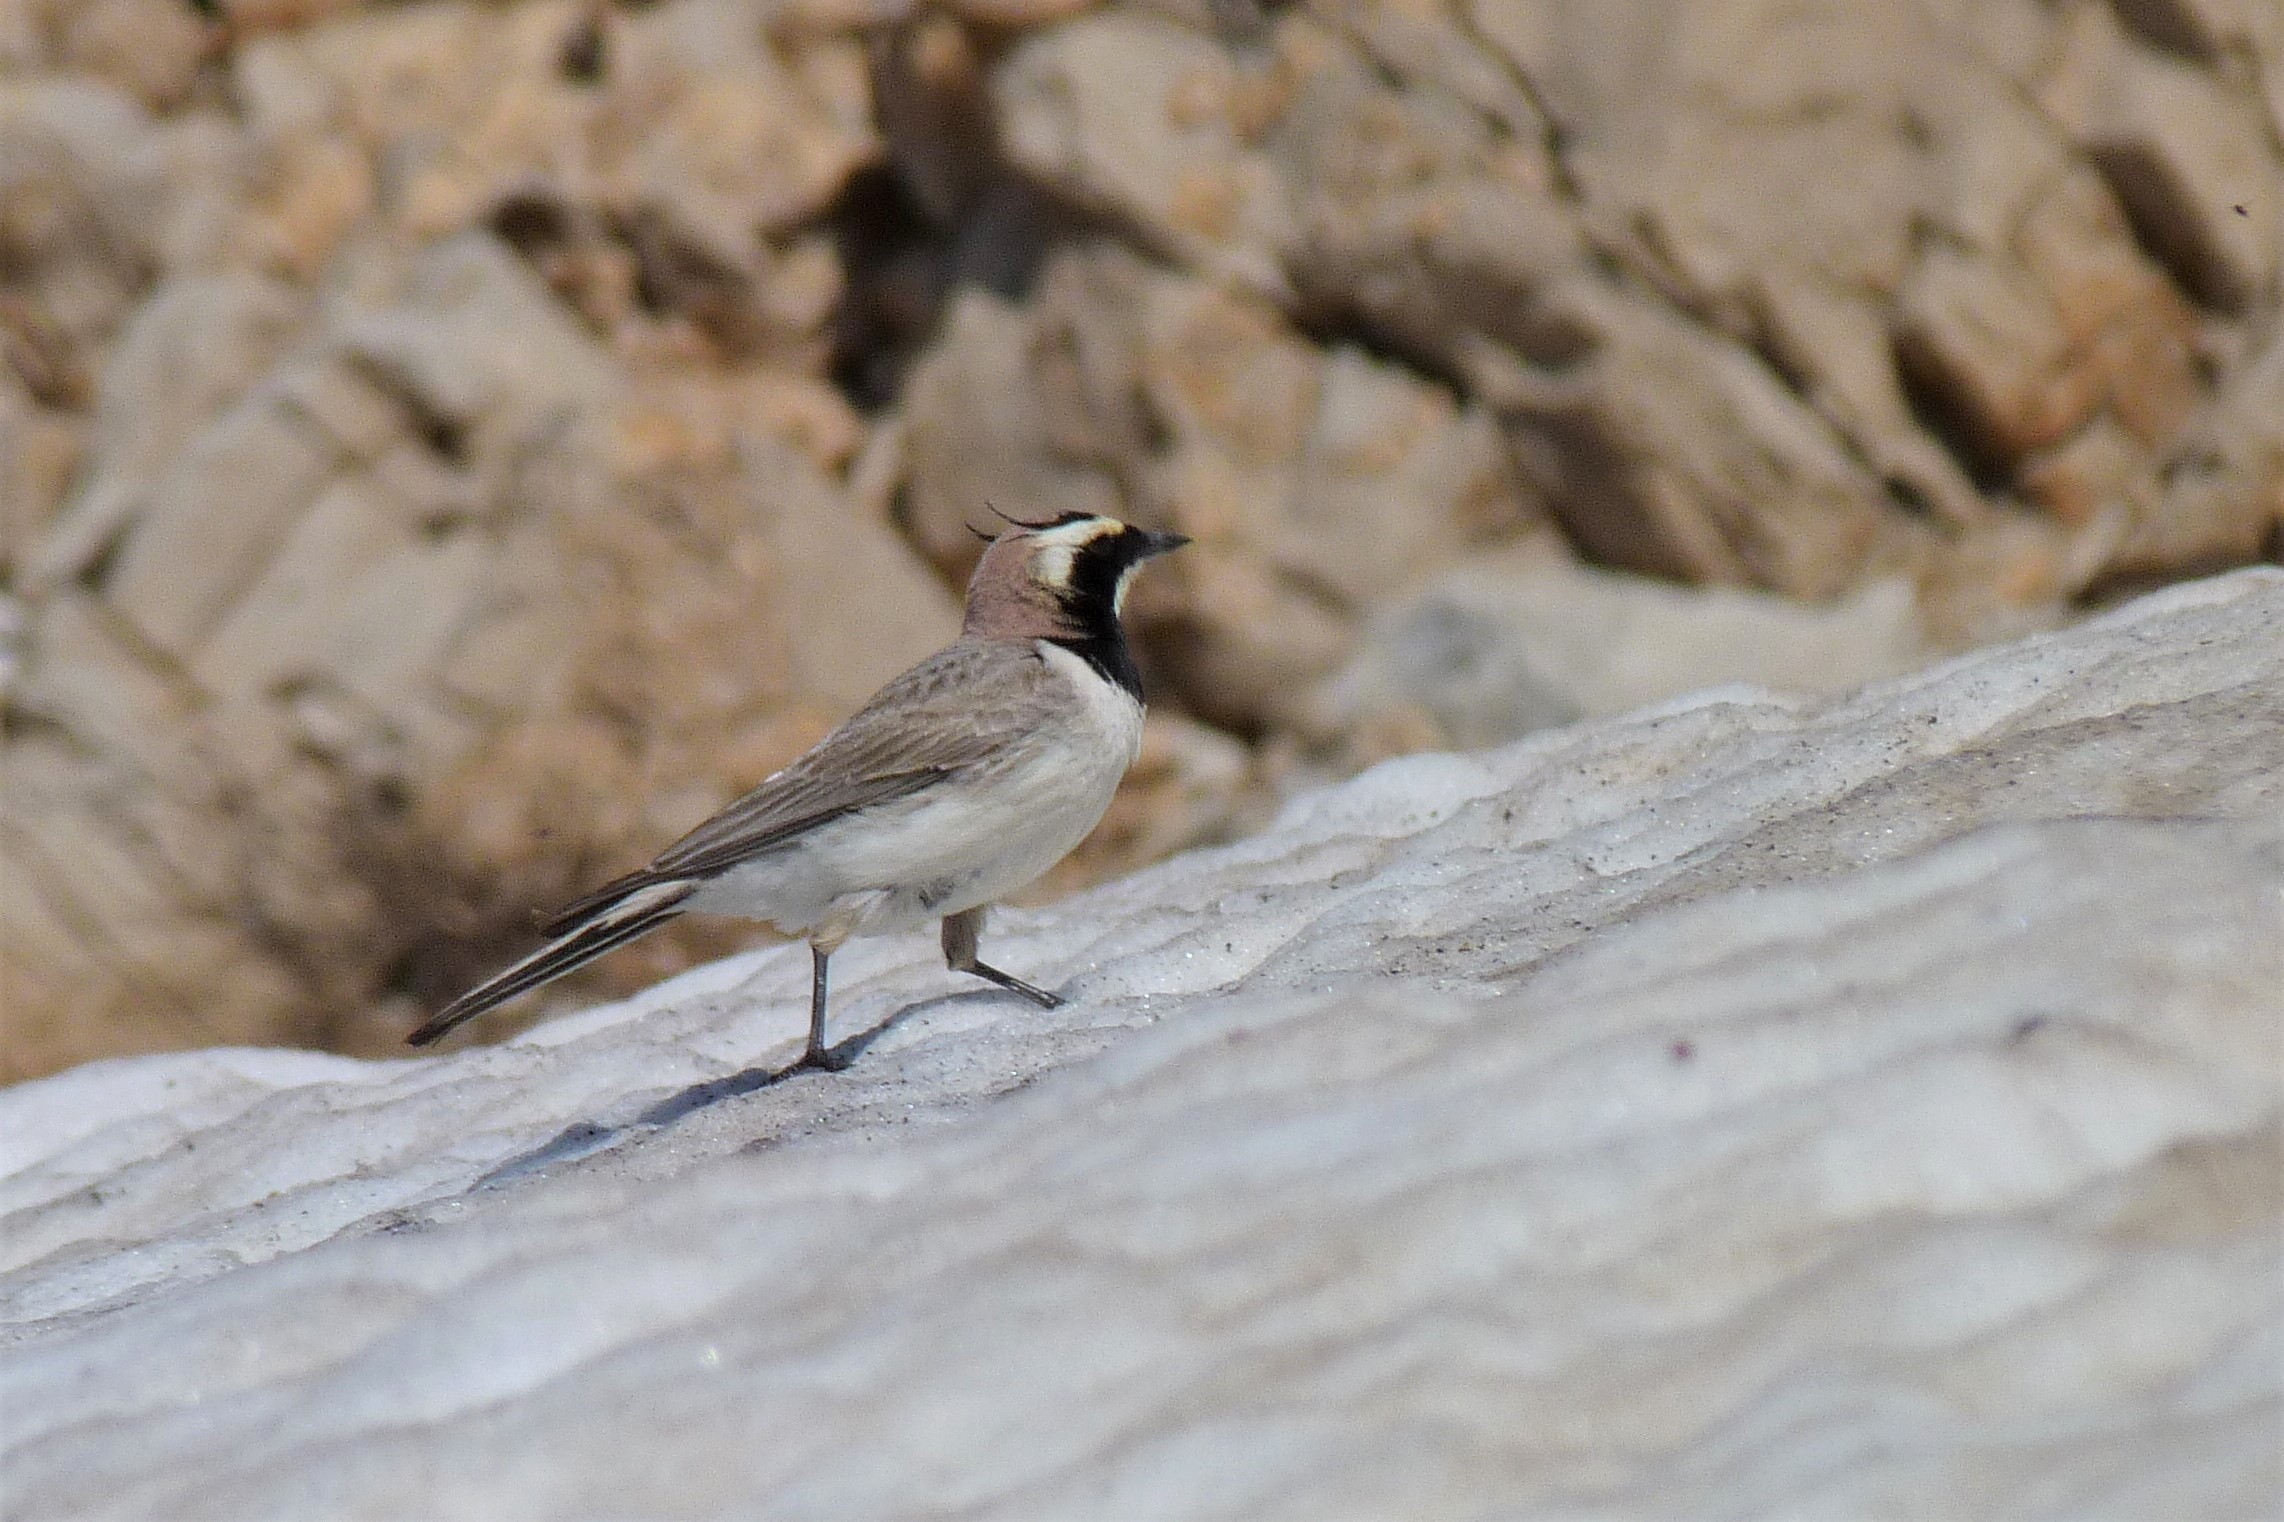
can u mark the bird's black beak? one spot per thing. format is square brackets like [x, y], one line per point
[1159, 544]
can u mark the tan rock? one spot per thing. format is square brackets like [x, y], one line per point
[1149, 121]
[1432, 47]
[213, 519]
[1504, 645]
[1314, 484]
[474, 347]
[1417, 212]
[675, 574]
[859, 605]
[107, 960]
[386, 641]
[1988, 343]
[677, 166]
[1700, 143]
[250, 16]
[455, 89]
[84, 203]
[1222, 369]
[2133, 332]
[1396, 478]
[2202, 28]
[2010, 577]
[90, 678]
[373, 616]
[1015, 13]
[1247, 639]
[1838, 340]
[686, 415]
[975, 438]
[1670, 452]
[40, 448]
[1779, 172]
[517, 645]
[437, 573]
[2187, 154]
[1348, 473]
[2095, 468]
[722, 131]
[150, 48]
[306, 195]
[2022, 354]
[2219, 497]
[67, 1018]
[195, 345]
[1704, 138]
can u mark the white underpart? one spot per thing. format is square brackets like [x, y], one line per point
[966, 841]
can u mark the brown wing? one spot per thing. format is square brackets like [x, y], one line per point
[954, 710]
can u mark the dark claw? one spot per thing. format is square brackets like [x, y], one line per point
[825, 1060]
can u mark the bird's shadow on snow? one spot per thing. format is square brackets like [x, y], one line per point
[583, 1139]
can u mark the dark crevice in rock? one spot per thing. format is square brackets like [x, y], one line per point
[904, 267]
[2164, 225]
[888, 251]
[1331, 323]
[675, 273]
[96, 571]
[585, 53]
[531, 222]
[19, 725]
[1938, 409]
[1244, 23]
[444, 435]
[1906, 494]
[2167, 24]
[2110, 588]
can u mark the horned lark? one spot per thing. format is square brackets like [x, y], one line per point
[962, 780]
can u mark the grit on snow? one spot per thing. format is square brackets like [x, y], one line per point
[1837, 1108]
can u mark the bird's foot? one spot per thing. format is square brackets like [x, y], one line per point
[825, 1060]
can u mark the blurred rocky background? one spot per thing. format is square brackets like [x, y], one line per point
[448, 448]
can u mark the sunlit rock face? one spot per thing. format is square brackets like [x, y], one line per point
[1855, 1107]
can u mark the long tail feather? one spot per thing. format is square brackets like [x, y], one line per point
[614, 924]
[618, 890]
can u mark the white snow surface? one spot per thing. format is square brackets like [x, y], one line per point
[1751, 1106]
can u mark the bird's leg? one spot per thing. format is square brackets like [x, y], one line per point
[962, 932]
[1016, 985]
[817, 1056]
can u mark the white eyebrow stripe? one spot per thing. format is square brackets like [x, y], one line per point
[1056, 549]
[1079, 534]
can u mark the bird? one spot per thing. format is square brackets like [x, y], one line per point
[960, 781]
